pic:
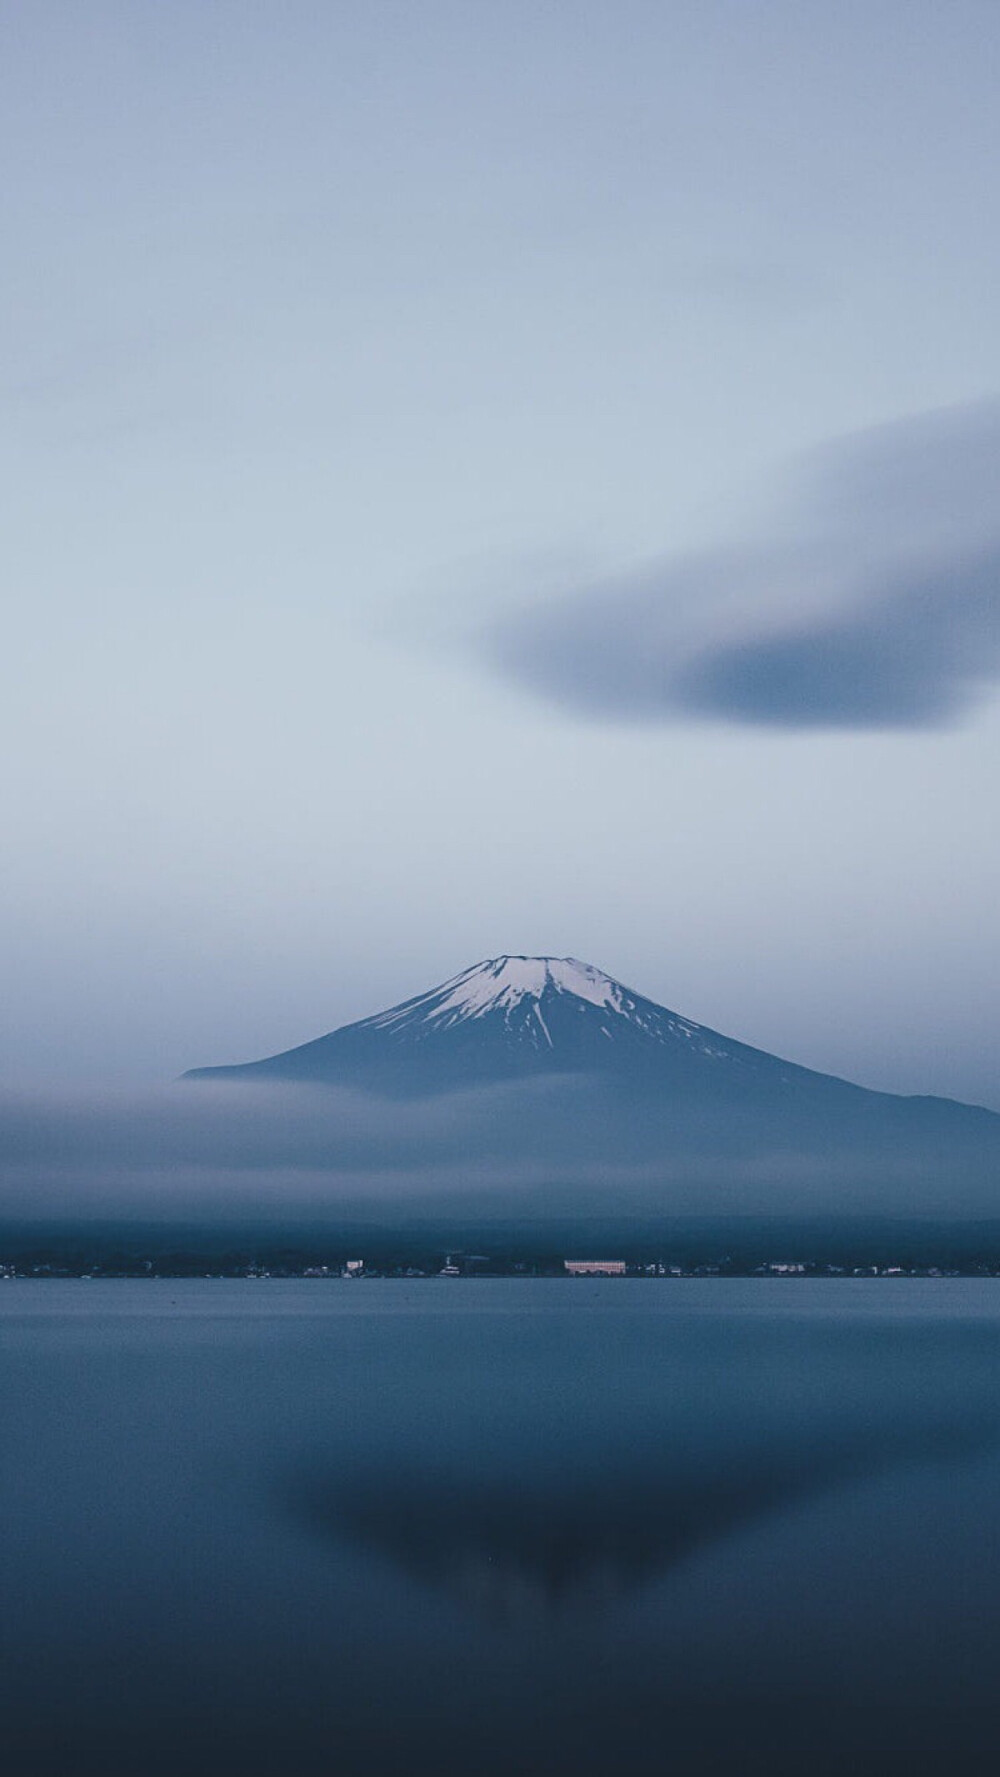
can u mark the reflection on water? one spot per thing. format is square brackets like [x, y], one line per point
[502, 1528]
[542, 1547]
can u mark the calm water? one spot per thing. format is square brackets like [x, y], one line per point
[499, 1527]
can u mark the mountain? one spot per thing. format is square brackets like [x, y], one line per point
[506, 1018]
[531, 1017]
[535, 1087]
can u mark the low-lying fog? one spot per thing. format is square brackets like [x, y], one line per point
[521, 1148]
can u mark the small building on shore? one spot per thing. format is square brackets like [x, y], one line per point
[594, 1267]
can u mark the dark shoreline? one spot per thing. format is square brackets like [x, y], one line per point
[455, 1267]
[664, 1247]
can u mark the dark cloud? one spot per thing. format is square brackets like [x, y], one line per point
[872, 601]
[912, 658]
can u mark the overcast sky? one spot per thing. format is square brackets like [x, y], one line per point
[490, 478]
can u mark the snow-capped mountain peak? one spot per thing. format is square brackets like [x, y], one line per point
[502, 983]
[603, 1070]
[503, 1017]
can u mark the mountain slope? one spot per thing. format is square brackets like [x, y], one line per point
[521, 1017]
[507, 1017]
[534, 1087]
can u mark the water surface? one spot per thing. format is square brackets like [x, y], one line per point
[498, 1526]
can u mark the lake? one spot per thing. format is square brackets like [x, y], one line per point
[499, 1526]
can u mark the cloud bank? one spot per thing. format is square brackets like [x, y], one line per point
[870, 600]
[565, 1146]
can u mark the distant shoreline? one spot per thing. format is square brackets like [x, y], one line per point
[777, 1270]
[663, 1249]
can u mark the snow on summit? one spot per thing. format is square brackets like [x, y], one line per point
[539, 1002]
[502, 982]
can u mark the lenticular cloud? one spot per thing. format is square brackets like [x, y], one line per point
[870, 599]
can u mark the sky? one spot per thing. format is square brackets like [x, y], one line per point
[488, 479]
